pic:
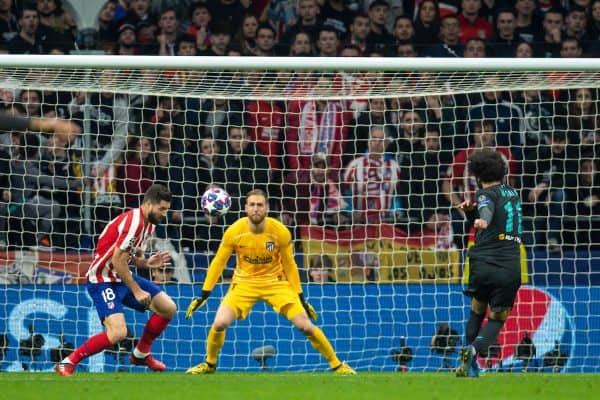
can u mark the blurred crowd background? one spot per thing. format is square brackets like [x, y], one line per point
[335, 163]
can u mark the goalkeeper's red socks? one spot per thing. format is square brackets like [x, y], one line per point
[154, 327]
[93, 345]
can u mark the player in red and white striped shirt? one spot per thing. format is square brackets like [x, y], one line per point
[111, 285]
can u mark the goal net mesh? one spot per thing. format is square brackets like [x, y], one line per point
[364, 167]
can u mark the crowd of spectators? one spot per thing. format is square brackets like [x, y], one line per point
[333, 163]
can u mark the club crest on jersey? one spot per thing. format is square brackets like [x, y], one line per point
[270, 246]
[483, 200]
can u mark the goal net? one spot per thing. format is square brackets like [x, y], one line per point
[363, 159]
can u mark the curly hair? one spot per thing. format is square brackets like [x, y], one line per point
[487, 165]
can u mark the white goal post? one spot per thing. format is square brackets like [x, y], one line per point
[384, 278]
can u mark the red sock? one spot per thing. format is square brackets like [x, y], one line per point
[93, 345]
[154, 327]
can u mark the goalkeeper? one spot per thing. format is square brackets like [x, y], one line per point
[266, 270]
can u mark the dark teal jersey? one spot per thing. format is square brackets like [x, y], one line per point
[499, 244]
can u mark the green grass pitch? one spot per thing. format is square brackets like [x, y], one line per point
[302, 386]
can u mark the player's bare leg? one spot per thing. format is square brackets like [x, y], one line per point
[116, 330]
[163, 309]
[214, 342]
[319, 342]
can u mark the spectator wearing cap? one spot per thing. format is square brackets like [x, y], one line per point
[379, 38]
[127, 41]
[472, 25]
[167, 36]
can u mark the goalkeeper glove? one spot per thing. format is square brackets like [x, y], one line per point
[196, 303]
[310, 310]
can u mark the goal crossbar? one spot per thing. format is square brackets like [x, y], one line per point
[285, 78]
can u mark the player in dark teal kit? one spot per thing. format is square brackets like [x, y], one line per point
[495, 264]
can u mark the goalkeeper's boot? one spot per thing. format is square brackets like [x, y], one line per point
[202, 369]
[468, 363]
[148, 361]
[65, 368]
[344, 369]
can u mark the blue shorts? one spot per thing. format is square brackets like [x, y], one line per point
[110, 297]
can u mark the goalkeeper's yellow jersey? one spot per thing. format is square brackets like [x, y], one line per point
[261, 257]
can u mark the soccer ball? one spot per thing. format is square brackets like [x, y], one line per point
[216, 202]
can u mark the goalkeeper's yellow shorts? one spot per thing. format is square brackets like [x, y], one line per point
[241, 297]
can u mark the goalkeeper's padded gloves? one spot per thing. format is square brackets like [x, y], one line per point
[196, 303]
[310, 310]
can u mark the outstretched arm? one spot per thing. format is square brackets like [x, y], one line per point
[51, 125]
[212, 276]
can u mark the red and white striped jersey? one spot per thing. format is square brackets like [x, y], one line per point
[373, 184]
[128, 233]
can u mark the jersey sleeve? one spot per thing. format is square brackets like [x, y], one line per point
[218, 263]
[127, 230]
[485, 206]
[287, 259]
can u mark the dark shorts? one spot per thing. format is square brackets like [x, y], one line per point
[109, 298]
[492, 285]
